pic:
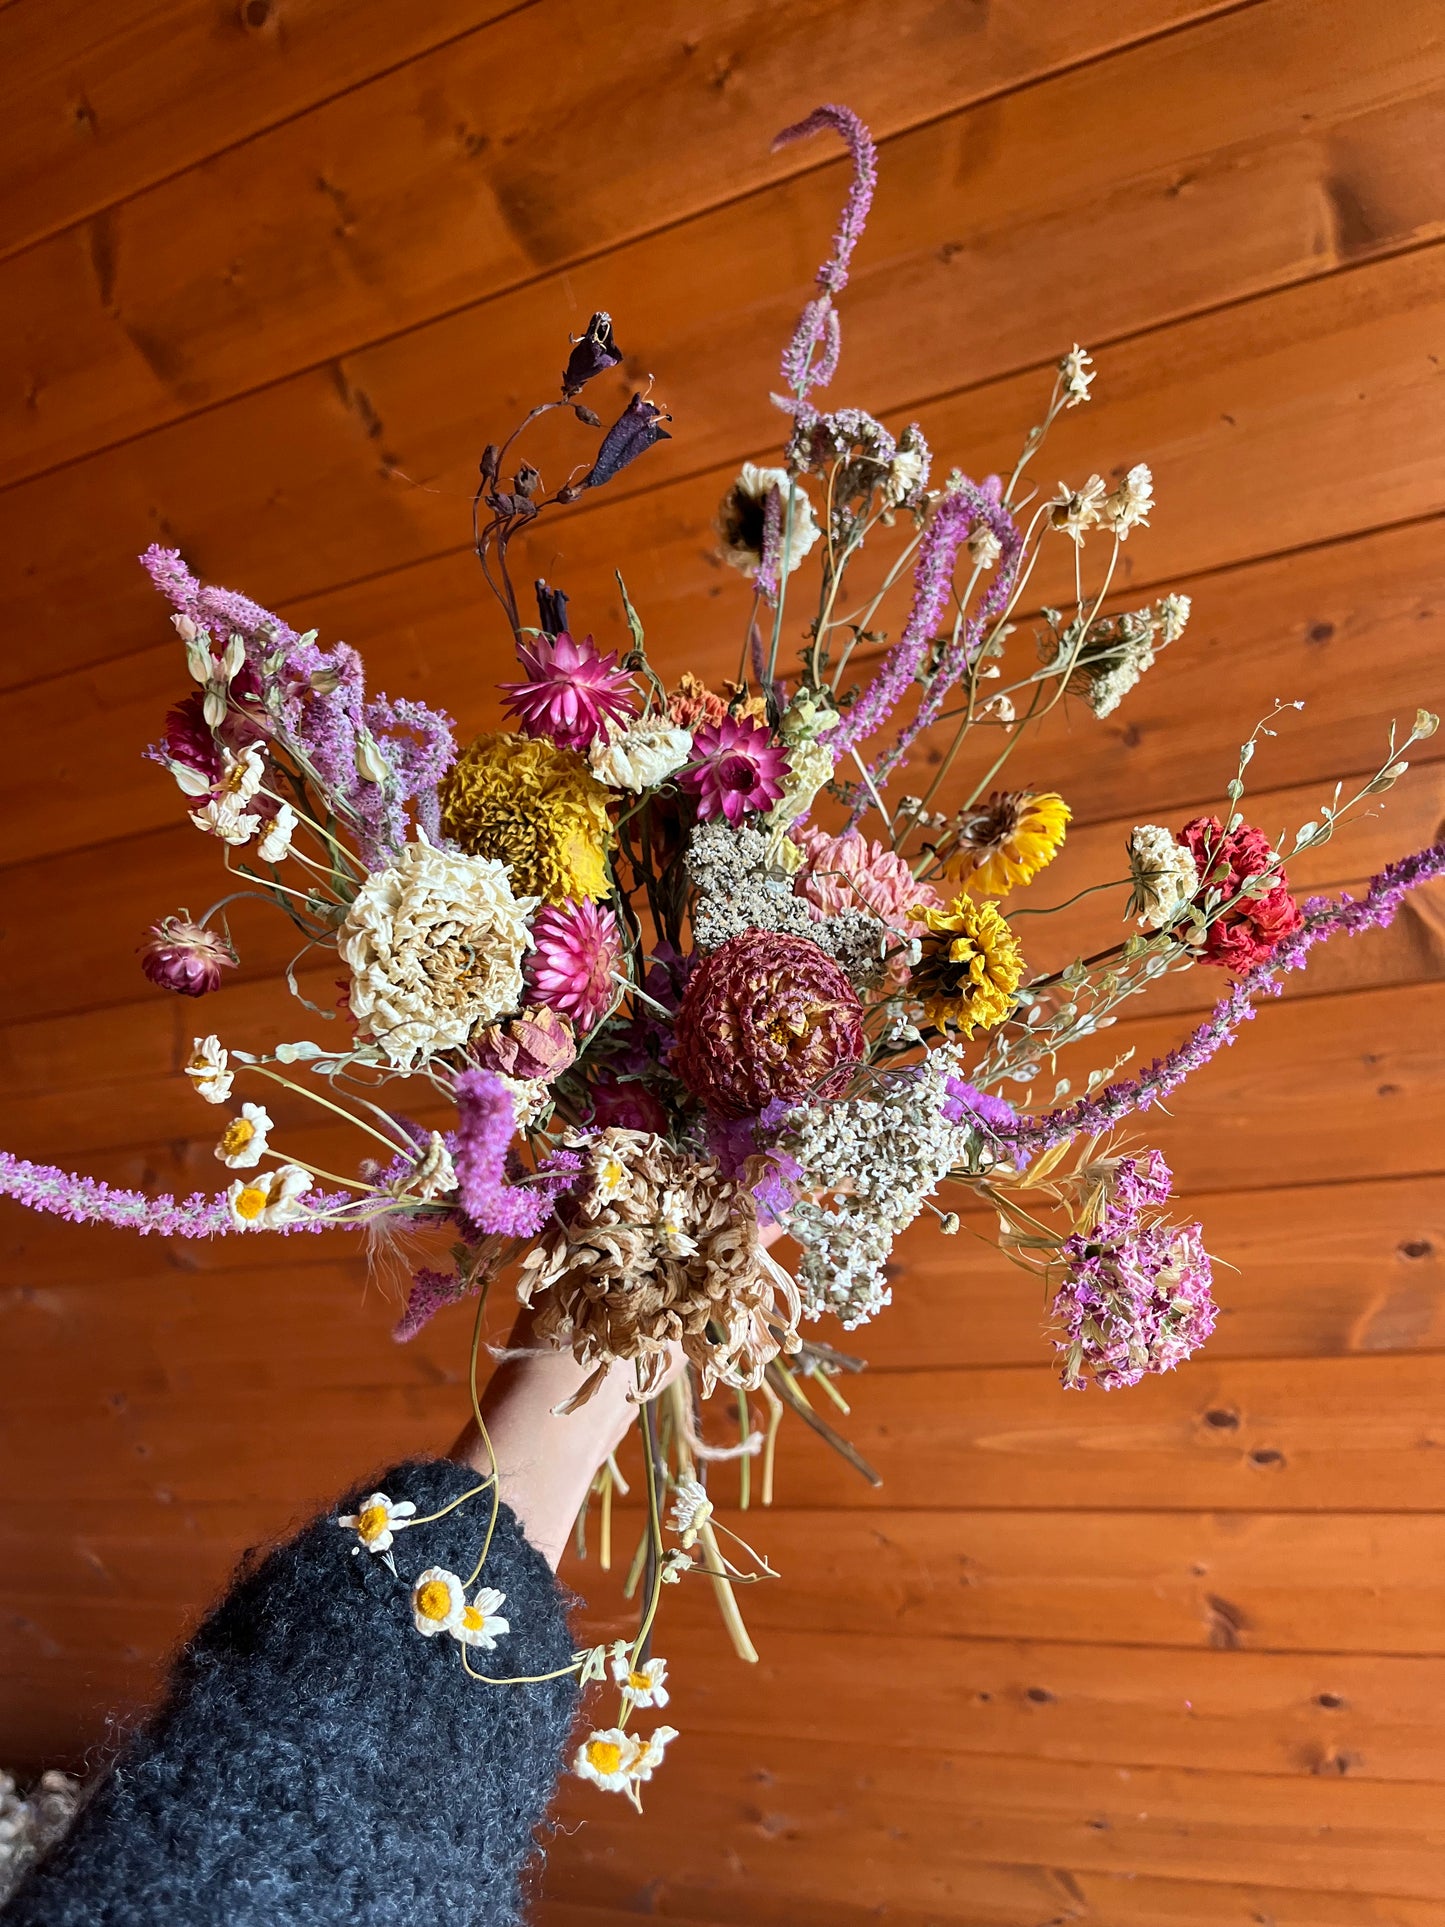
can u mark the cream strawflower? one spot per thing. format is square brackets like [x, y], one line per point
[479, 1624]
[641, 757]
[1165, 876]
[810, 766]
[438, 1600]
[243, 1142]
[644, 1685]
[435, 946]
[1128, 506]
[378, 1522]
[1073, 510]
[206, 1068]
[270, 1199]
[276, 838]
[741, 518]
[691, 1510]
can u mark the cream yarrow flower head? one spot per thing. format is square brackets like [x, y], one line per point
[644, 1685]
[243, 1142]
[1164, 873]
[270, 1199]
[536, 809]
[743, 512]
[640, 757]
[435, 947]
[206, 1068]
[377, 1521]
[438, 1600]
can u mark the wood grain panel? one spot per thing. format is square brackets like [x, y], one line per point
[335, 237]
[314, 482]
[998, 1897]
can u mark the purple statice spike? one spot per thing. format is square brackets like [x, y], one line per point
[1324, 917]
[833, 275]
[492, 1206]
[959, 512]
[222, 612]
[64, 1194]
[818, 327]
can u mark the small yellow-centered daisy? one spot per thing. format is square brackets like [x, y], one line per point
[644, 1685]
[438, 1600]
[479, 1623]
[270, 1199]
[243, 1142]
[377, 1522]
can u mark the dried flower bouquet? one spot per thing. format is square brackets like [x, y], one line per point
[659, 967]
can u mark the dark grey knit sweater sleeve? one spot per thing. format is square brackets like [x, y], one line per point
[317, 1760]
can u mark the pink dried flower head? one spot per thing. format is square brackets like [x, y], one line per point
[626, 1104]
[849, 872]
[573, 966]
[571, 693]
[538, 1043]
[186, 957]
[736, 767]
[767, 1016]
[1133, 1302]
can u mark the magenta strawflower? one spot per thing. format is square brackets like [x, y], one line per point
[572, 693]
[575, 962]
[736, 767]
[186, 957]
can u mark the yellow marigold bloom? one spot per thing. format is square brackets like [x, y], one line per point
[534, 807]
[967, 977]
[1006, 841]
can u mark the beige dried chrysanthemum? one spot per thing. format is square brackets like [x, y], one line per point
[435, 946]
[652, 1248]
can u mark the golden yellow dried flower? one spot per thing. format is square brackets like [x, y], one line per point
[967, 977]
[534, 807]
[1005, 842]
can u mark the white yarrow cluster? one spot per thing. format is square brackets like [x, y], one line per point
[640, 757]
[881, 1157]
[435, 947]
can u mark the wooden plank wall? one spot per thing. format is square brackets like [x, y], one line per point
[270, 274]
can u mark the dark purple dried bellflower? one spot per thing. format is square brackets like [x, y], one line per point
[551, 608]
[593, 353]
[632, 434]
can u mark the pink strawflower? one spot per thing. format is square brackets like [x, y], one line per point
[578, 951]
[735, 767]
[849, 872]
[186, 957]
[571, 693]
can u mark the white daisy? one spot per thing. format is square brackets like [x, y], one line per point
[644, 1685]
[649, 1753]
[378, 1521]
[691, 1510]
[270, 1199]
[276, 838]
[438, 1601]
[479, 1624]
[1129, 505]
[606, 1758]
[243, 1142]
[1074, 510]
[206, 1067]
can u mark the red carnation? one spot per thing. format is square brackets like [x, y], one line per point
[767, 1016]
[1250, 933]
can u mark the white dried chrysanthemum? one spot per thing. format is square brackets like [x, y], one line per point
[1072, 511]
[741, 515]
[1127, 507]
[641, 757]
[1075, 376]
[435, 947]
[1164, 873]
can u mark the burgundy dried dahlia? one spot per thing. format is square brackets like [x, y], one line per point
[766, 1016]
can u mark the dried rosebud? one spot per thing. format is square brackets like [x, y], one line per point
[186, 957]
[592, 354]
[551, 608]
[538, 1043]
[632, 434]
[588, 417]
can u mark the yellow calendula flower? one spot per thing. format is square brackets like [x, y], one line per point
[970, 967]
[537, 809]
[998, 845]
